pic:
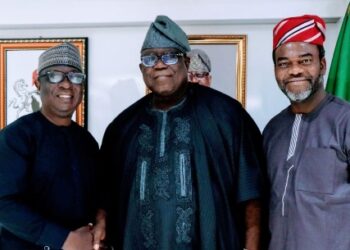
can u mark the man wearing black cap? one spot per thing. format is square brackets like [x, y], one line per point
[48, 165]
[182, 161]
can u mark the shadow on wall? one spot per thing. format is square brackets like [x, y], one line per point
[125, 92]
[120, 95]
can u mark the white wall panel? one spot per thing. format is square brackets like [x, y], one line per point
[116, 30]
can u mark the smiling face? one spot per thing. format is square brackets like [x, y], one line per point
[165, 81]
[299, 70]
[59, 100]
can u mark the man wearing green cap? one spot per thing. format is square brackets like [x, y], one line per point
[200, 67]
[174, 179]
[48, 189]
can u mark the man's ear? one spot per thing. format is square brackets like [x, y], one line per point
[187, 62]
[141, 67]
[210, 78]
[35, 79]
[323, 66]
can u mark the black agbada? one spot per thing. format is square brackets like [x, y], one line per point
[225, 156]
[47, 182]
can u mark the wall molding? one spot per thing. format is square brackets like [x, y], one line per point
[39, 14]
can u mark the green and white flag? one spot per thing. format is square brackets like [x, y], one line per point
[338, 82]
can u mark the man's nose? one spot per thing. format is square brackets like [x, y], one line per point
[295, 69]
[66, 83]
[160, 64]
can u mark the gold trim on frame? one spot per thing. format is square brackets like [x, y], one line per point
[37, 44]
[239, 41]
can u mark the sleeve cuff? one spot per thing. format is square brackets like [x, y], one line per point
[53, 236]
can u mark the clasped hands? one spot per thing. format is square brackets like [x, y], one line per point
[88, 237]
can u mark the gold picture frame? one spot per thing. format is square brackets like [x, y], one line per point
[228, 55]
[18, 59]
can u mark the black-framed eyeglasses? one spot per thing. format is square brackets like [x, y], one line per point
[55, 77]
[199, 75]
[168, 59]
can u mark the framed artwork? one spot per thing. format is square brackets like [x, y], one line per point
[18, 60]
[227, 54]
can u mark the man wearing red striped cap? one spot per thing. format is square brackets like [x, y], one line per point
[307, 145]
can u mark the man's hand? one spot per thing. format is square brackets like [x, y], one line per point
[252, 220]
[80, 239]
[99, 230]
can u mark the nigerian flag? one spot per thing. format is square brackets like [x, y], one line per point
[338, 82]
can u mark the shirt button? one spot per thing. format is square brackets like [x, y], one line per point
[47, 248]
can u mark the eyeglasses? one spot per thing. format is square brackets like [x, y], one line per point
[55, 77]
[199, 75]
[168, 59]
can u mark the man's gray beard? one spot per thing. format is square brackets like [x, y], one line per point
[299, 97]
[302, 96]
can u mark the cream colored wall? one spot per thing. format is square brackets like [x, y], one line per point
[116, 30]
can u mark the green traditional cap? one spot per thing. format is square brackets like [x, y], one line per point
[63, 54]
[165, 33]
[199, 61]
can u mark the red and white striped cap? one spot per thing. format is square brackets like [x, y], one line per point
[306, 28]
